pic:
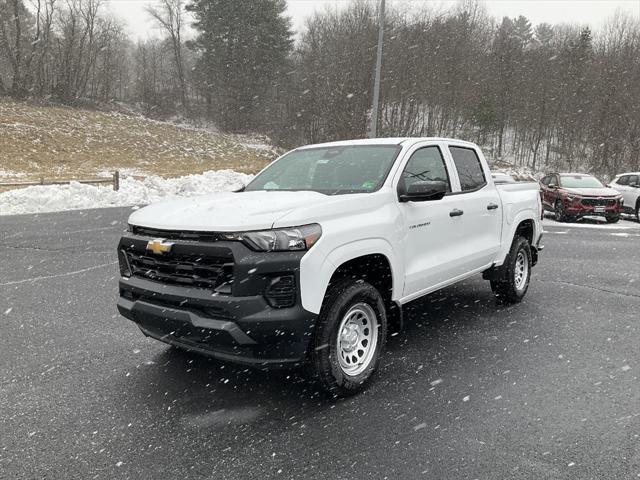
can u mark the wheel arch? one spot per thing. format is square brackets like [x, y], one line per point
[375, 269]
[371, 260]
[524, 225]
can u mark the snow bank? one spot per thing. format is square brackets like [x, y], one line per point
[54, 198]
[10, 174]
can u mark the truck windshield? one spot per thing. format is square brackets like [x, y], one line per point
[580, 181]
[329, 170]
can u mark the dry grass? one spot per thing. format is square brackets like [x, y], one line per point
[62, 142]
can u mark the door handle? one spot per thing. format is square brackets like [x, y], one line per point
[455, 213]
[492, 206]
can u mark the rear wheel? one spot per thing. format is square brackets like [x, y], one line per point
[349, 338]
[638, 210]
[512, 281]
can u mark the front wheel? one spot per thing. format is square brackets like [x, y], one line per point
[558, 212]
[514, 276]
[350, 337]
[612, 218]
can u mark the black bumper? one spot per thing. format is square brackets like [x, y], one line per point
[241, 327]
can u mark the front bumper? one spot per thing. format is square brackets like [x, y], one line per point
[579, 209]
[241, 326]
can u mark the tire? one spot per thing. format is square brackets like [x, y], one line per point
[558, 211]
[513, 278]
[638, 210]
[354, 311]
[612, 218]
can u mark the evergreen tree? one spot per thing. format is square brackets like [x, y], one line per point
[243, 47]
[522, 31]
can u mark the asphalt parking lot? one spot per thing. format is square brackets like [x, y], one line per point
[547, 389]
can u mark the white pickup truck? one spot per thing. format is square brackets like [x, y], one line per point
[311, 263]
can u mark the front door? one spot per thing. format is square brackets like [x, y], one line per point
[429, 230]
[630, 191]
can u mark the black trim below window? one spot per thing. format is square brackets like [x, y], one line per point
[477, 189]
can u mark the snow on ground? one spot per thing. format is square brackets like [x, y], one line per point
[10, 174]
[53, 198]
[627, 223]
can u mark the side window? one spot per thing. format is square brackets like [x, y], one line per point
[545, 180]
[623, 180]
[425, 164]
[634, 180]
[553, 181]
[469, 168]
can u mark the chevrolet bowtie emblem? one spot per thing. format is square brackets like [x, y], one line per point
[159, 246]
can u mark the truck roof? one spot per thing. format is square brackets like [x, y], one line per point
[387, 141]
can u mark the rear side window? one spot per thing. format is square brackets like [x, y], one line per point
[623, 180]
[469, 168]
[633, 180]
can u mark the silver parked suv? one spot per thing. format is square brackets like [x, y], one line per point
[628, 184]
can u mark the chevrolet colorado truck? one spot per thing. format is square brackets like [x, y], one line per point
[311, 262]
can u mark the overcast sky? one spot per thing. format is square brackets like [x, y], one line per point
[592, 12]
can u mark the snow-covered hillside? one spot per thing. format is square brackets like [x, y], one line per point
[64, 143]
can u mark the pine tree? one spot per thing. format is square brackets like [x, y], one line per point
[243, 46]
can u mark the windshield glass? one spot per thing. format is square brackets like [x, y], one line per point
[329, 170]
[580, 181]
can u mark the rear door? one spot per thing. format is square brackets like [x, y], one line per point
[479, 210]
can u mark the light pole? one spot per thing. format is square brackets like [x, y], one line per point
[373, 131]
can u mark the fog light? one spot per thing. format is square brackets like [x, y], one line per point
[281, 293]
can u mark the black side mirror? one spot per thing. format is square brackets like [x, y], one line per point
[424, 191]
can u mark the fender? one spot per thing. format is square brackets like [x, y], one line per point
[510, 228]
[316, 270]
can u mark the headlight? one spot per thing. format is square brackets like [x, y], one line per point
[281, 239]
[570, 198]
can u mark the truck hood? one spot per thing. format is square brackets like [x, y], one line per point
[225, 212]
[592, 192]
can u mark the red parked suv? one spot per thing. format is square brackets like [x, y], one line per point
[573, 195]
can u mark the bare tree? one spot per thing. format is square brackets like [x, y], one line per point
[170, 17]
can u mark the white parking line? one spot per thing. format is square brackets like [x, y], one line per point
[625, 234]
[47, 277]
[603, 226]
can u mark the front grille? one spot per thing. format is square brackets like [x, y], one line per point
[599, 202]
[207, 237]
[186, 270]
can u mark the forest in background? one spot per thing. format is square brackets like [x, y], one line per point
[542, 96]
